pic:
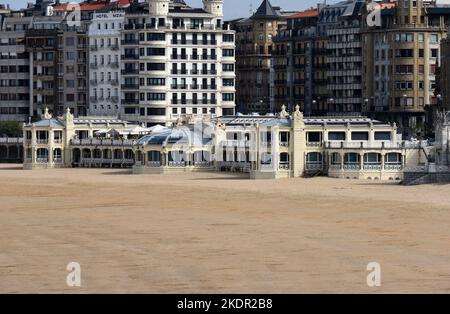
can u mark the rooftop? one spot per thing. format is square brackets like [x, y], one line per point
[304, 14]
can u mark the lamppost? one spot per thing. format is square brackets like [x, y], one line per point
[314, 102]
[330, 101]
[365, 106]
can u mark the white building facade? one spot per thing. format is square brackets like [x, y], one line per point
[104, 63]
[178, 62]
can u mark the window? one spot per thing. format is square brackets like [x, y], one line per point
[229, 38]
[336, 136]
[156, 66]
[382, 136]
[156, 81]
[360, 136]
[156, 111]
[404, 53]
[156, 96]
[315, 137]
[156, 37]
[228, 52]
[70, 41]
[404, 69]
[228, 97]
[228, 67]
[228, 82]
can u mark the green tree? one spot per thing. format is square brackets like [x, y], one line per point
[10, 129]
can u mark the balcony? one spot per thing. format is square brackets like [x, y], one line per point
[314, 144]
[314, 166]
[93, 47]
[179, 86]
[130, 42]
[130, 57]
[130, 101]
[352, 166]
[372, 166]
[130, 71]
[93, 65]
[130, 86]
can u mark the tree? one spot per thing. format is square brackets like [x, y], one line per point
[10, 129]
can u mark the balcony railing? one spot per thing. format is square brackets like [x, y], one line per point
[394, 166]
[177, 164]
[314, 166]
[352, 166]
[372, 166]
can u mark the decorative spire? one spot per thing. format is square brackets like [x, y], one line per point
[283, 113]
[46, 114]
[298, 115]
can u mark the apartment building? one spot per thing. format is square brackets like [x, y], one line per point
[254, 48]
[177, 61]
[299, 63]
[345, 58]
[401, 58]
[58, 57]
[14, 68]
[104, 63]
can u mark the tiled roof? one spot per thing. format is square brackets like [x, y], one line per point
[83, 7]
[304, 14]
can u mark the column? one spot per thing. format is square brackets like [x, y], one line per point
[361, 161]
[50, 145]
[382, 161]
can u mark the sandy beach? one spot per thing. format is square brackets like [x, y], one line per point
[216, 232]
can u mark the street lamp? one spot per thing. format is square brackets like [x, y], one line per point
[330, 101]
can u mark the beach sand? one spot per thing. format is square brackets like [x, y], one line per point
[218, 233]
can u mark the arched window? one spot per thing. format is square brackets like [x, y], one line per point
[335, 159]
[42, 155]
[57, 155]
[314, 158]
[86, 153]
[154, 156]
[284, 158]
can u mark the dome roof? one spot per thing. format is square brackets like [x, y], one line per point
[180, 135]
